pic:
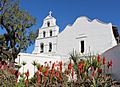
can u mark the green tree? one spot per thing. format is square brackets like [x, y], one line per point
[17, 25]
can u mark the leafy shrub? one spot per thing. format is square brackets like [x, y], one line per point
[7, 79]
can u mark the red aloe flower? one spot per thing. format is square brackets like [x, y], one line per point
[69, 66]
[99, 70]
[60, 78]
[110, 64]
[57, 74]
[80, 65]
[27, 73]
[81, 70]
[46, 72]
[99, 58]
[40, 69]
[37, 73]
[51, 75]
[38, 79]
[104, 60]
[61, 66]
[53, 65]
[52, 71]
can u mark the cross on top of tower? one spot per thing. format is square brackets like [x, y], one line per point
[50, 13]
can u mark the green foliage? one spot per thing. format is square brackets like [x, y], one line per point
[88, 77]
[17, 24]
[21, 82]
[7, 79]
[38, 66]
[34, 63]
[84, 75]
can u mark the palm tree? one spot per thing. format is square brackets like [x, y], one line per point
[23, 63]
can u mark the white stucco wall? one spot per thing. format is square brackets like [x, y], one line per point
[46, 42]
[47, 39]
[41, 59]
[98, 36]
[114, 54]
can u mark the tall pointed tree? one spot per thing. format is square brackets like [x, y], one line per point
[17, 25]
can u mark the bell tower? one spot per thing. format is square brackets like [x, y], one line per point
[47, 37]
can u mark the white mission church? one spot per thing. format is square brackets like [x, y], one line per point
[84, 36]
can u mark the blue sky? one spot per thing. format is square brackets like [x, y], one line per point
[67, 11]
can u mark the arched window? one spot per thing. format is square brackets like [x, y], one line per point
[41, 47]
[44, 33]
[50, 32]
[48, 24]
[50, 47]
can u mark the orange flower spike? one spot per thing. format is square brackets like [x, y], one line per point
[72, 73]
[37, 73]
[104, 60]
[38, 79]
[40, 69]
[81, 70]
[110, 64]
[61, 66]
[69, 66]
[46, 72]
[53, 65]
[80, 65]
[99, 58]
[57, 74]
[27, 73]
[99, 70]
[51, 75]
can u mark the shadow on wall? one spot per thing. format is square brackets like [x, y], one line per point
[114, 54]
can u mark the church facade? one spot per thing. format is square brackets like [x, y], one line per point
[83, 36]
